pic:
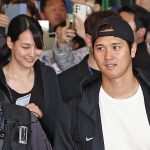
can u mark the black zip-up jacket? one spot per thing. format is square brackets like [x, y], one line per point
[80, 128]
[51, 94]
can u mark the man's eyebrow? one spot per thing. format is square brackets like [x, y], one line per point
[116, 43]
[99, 44]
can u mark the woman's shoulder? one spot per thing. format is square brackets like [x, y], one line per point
[45, 68]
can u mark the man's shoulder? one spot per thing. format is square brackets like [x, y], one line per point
[69, 72]
[68, 82]
[142, 75]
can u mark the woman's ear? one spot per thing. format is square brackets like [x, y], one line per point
[133, 49]
[9, 42]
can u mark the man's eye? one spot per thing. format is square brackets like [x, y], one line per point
[100, 48]
[116, 48]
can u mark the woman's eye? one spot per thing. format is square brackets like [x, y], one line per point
[25, 47]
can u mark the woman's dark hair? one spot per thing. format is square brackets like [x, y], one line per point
[22, 23]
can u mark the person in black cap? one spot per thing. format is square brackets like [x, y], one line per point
[112, 111]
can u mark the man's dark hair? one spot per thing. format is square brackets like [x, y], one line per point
[91, 23]
[127, 8]
[43, 4]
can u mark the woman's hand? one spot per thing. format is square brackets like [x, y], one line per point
[35, 110]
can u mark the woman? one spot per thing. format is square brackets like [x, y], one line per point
[4, 19]
[24, 80]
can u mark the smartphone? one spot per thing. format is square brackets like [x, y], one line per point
[80, 11]
[70, 21]
[12, 10]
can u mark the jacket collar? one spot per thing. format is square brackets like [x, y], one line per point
[90, 100]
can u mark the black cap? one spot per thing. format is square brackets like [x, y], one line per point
[120, 28]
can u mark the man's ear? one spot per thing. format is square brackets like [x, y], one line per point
[133, 49]
[141, 32]
[88, 40]
[9, 42]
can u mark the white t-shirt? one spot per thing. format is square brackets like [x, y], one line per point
[124, 122]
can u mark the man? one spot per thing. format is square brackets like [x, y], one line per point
[112, 112]
[54, 11]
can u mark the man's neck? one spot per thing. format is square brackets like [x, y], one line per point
[91, 62]
[121, 88]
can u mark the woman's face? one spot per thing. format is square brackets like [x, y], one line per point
[24, 51]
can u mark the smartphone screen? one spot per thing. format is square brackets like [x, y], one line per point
[12, 10]
[70, 21]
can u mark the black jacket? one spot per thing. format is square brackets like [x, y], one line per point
[142, 58]
[85, 133]
[51, 94]
[70, 79]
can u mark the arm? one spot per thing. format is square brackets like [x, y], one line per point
[63, 54]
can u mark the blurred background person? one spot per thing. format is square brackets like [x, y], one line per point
[138, 17]
[69, 47]
[143, 3]
[54, 11]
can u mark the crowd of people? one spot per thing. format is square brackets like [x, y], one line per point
[90, 88]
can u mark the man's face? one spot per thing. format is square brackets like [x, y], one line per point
[143, 3]
[113, 56]
[55, 12]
